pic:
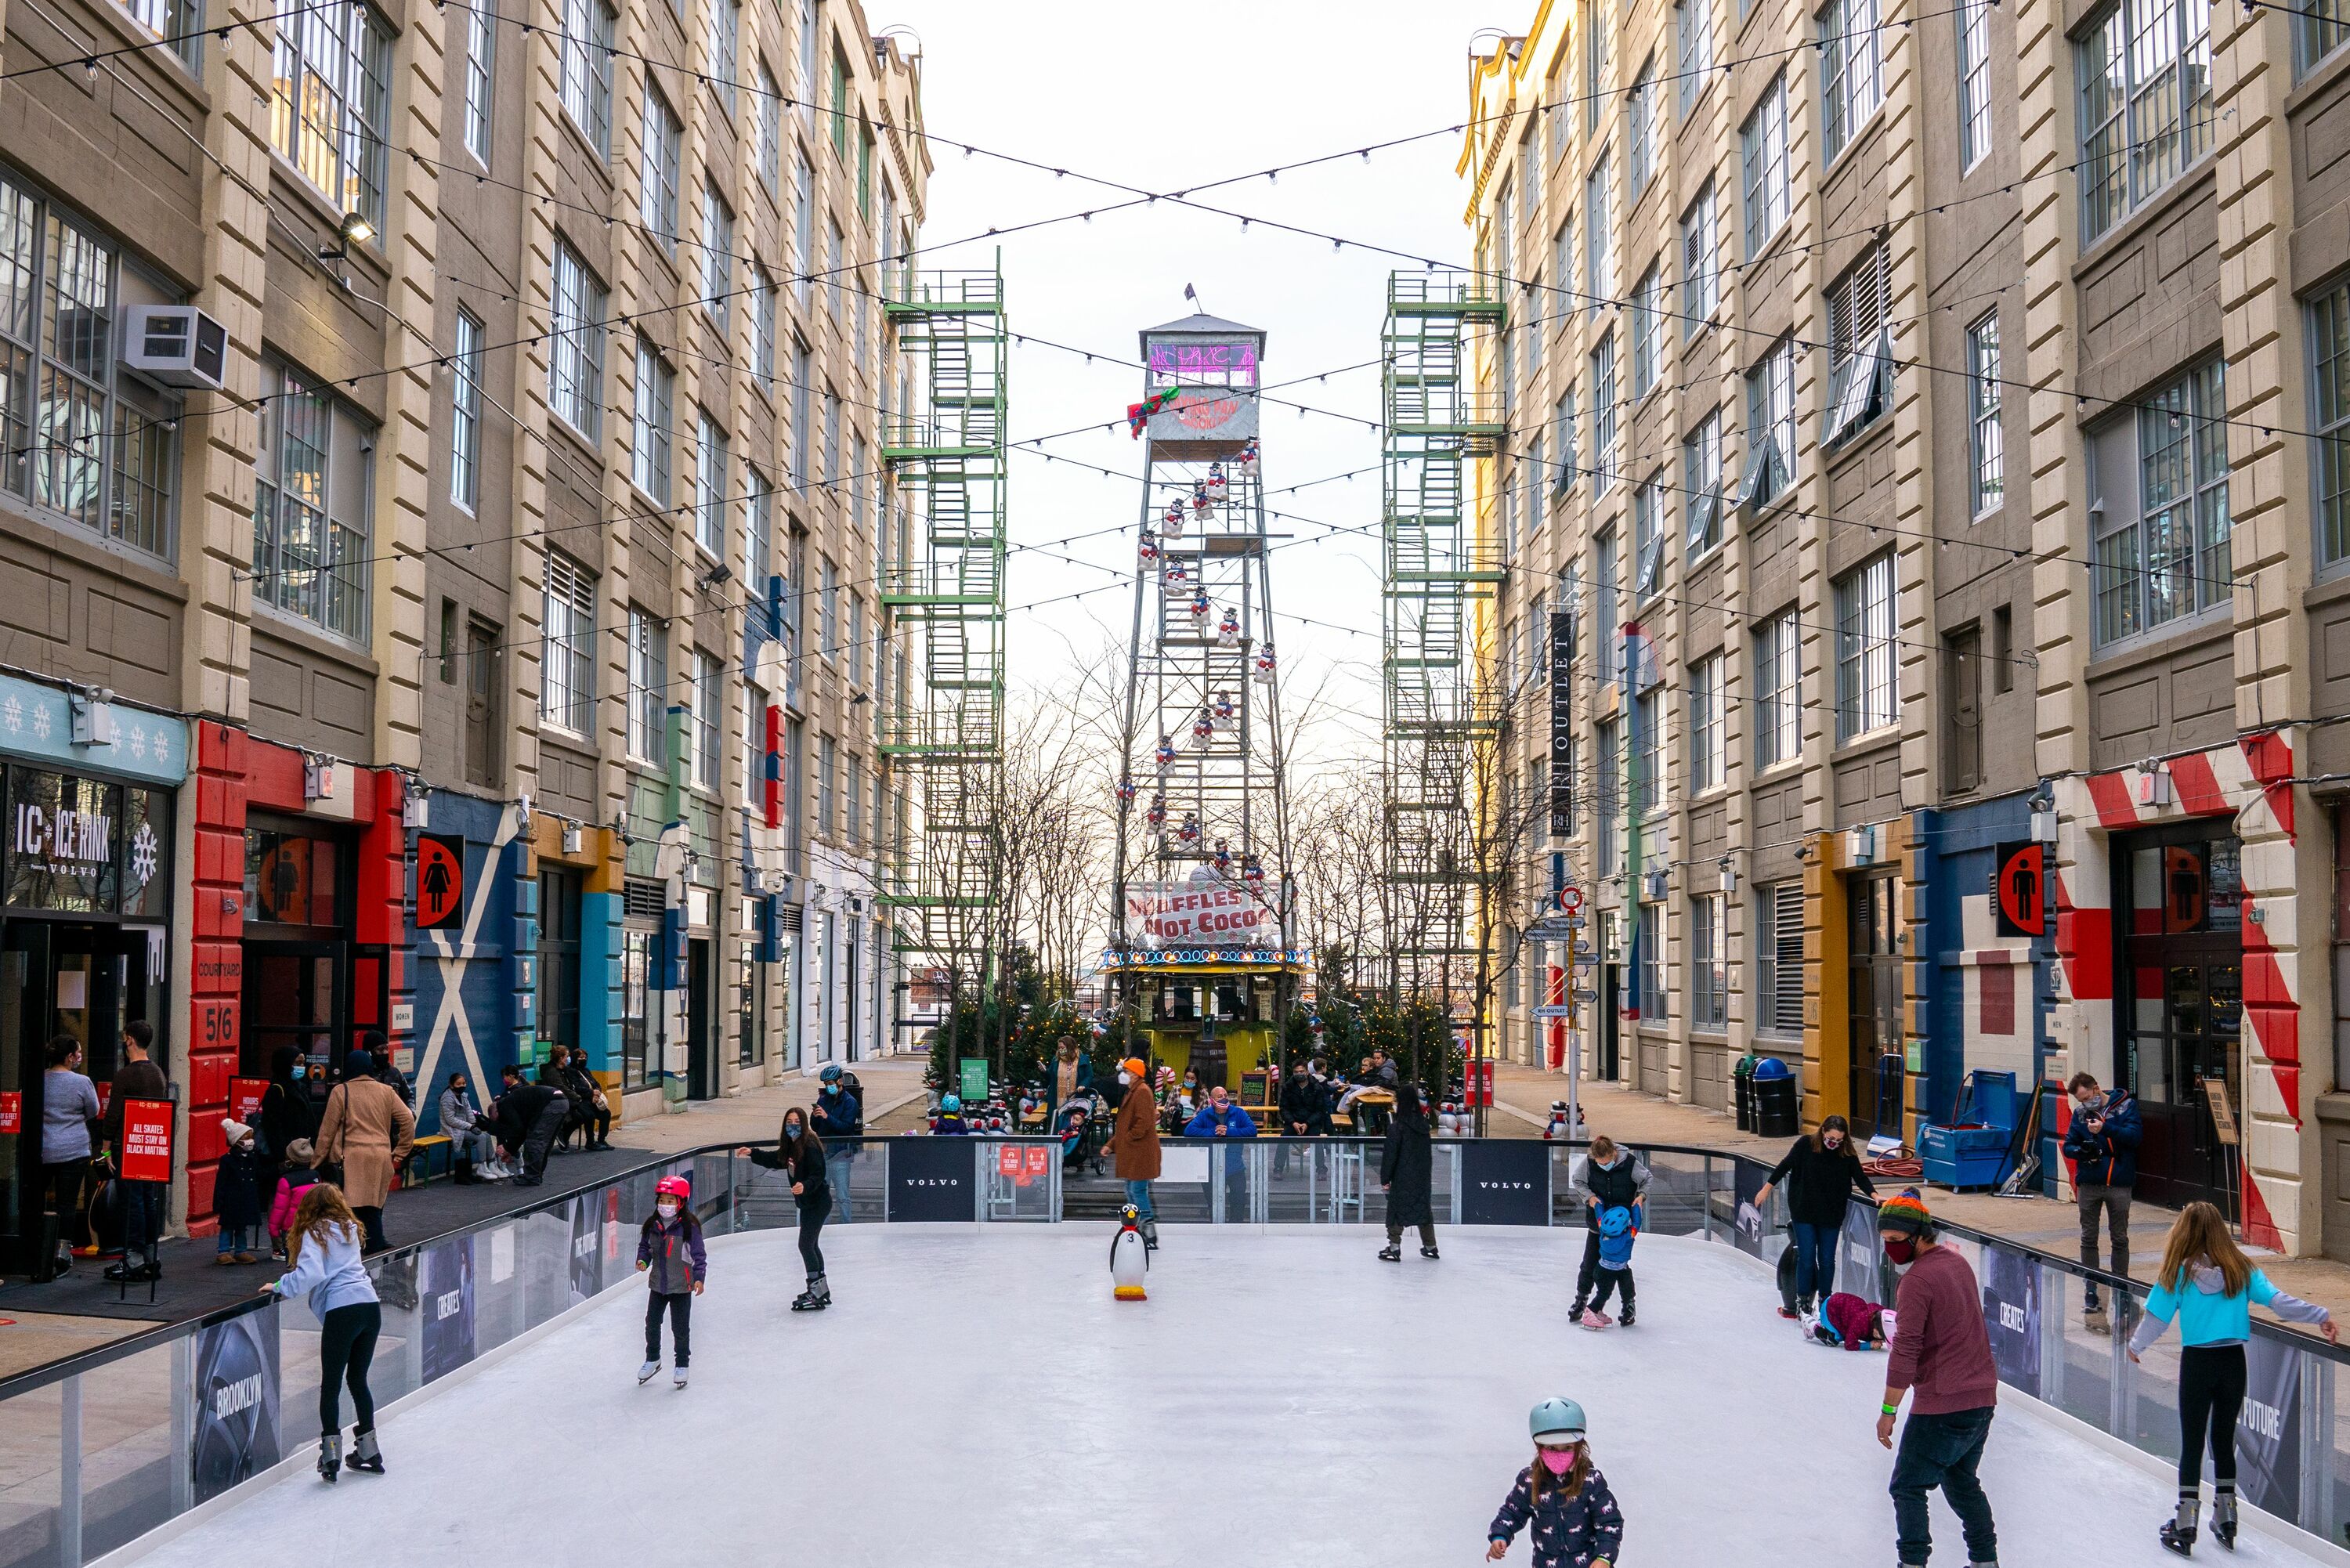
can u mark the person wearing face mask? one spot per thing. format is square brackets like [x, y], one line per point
[2102, 1144]
[1824, 1169]
[286, 1113]
[1562, 1495]
[1942, 1360]
[1134, 1143]
[799, 1155]
[473, 1151]
[838, 1119]
[670, 1256]
[1610, 1178]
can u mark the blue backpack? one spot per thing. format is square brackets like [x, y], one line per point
[1617, 1230]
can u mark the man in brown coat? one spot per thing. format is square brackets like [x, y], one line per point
[1134, 1143]
[368, 1130]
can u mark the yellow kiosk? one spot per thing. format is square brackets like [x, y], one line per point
[1217, 1011]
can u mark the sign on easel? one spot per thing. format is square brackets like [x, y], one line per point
[147, 1140]
[2224, 1114]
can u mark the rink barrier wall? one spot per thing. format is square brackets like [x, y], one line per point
[110, 1445]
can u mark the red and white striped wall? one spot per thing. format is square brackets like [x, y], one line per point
[2247, 780]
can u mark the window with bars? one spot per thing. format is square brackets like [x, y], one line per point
[1647, 540]
[2159, 507]
[1762, 167]
[481, 80]
[1860, 348]
[1779, 959]
[1693, 37]
[648, 723]
[1851, 83]
[2145, 105]
[1708, 974]
[663, 138]
[708, 724]
[80, 437]
[575, 361]
[567, 654]
[314, 475]
[1648, 330]
[709, 465]
[717, 257]
[1865, 673]
[652, 416]
[2329, 374]
[586, 64]
[1701, 485]
[1598, 253]
[1778, 687]
[1974, 82]
[1707, 759]
[1603, 413]
[1770, 428]
[465, 412]
[1987, 442]
[1700, 260]
[723, 20]
[330, 102]
[1641, 123]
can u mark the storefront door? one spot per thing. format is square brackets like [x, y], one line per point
[295, 993]
[701, 1047]
[2179, 997]
[1875, 905]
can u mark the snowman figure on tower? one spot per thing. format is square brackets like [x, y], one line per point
[1263, 673]
[1201, 613]
[1248, 455]
[1223, 859]
[1189, 832]
[1252, 871]
[1156, 814]
[1149, 546]
[1166, 753]
[1223, 705]
[1228, 630]
[1174, 520]
[1201, 501]
[1202, 728]
[1216, 480]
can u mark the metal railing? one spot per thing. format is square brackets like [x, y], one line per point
[99, 1448]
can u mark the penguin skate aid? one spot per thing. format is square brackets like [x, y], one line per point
[1129, 1258]
[1560, 1497]
[799, 1155]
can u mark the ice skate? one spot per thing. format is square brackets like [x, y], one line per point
[646, 1373]
[1150, 1235]
[331, 1456]
[365, 1455]
[1592, 1319]
[1391, 1254]
[2179, 1535]
[816, 1298]
[677, 1378]
[1625, 1321]
[1428, 1251]
[2223, 1519]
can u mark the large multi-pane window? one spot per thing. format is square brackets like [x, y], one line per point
[828, 785]
[575, 362]
[1647, 540]
[1606, 581]
[1648, 334]
[1863, 662]
[1974, 81]
[648, 719]
[1694, 36]
[481, 80]
[1709, 974]
[80, 436]
[1778, 690]
[2324, 27]
[663, 141]
[2329, 361]
[1641, 134]
[1769, 427]
[710, 486]
[1779, 959]
[1563, 441]
[808, 50]
[1762, 166]
[313, 475]
[566, 656]
[1598, 250]
[839, 104]
[834, 280]
[1651, 977]
[1594, 19]
[2158, 493]
[330, 101]
[1647, 751]
[1701, 483]
[1604, 413]
[1860, 348]
[707, 725]
[1851, 84]
[465, 412]
[1987, 442]
[1707, 755]
[653, 415]
[1700, 260]
[2145, 70]
[177, 23]
[586, 46]
[723, 20]
[717, 256]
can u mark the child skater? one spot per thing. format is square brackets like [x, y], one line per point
[299, 1179]
[2210, 1286]
[1610, 1178]
[1576, 1522]
[1847, 1321]
[1618, 1225]
[670, 1255]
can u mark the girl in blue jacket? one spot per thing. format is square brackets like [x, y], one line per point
[2210, 1286]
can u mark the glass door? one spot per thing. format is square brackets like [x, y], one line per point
[2180, 1007]
[298, 994]
[24, 961]
[1876, 1004]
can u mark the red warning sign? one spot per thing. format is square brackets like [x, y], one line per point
[439, 880]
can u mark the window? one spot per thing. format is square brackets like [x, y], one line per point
[636, 975]
[855, 833]
[1605, 586]
[1603, 413]
[828, 766]
[1707, 759]
[832, 280]
[1609, 800]
[864, 170]
[79, 435]
[1647, 337]
[1701, 485]
[481, 78]
[465, 413]
[663, 137]
[2002, 650]
[648, 722]
[831, 437]
[1647, 752]
[1860, 348]
[1762, 165]
[567, 654]
[1865, 676]
[574, 367]
[178, 23]
[1962, 750]
[706, 723]
[839, 101]
[1988, 444]
[758, 531]
[1652, 962]
[804, 228]
[1505, 370]
[1693, 31]
[858, 489]
[710, 486]
[330, 102]
[1974, 82]
[2324, 25]
[1851, 85]
[1598, 259]
[1770, 428]
[828, 609]
[1563, 439]
[1709, 975]
[1536, 323]
[723, 22]
[1700, 260]
[808, 45]
[2329, 360]
[1641, 132]
[1595, 63]
[2145, 70]
[1553, 114]
[767, 132]
[1778, 687]
[1648, 541]
[855, 639]
[2158, 503]
[764, 294]
[803, 419]
[314, 473]
[651, 420]
[587, 27]
[1779, 959]
[717, 256]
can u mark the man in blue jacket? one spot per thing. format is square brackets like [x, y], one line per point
[1221, 1116]
[2102, 1144]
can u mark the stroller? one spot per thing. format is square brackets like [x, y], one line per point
[1082, 1124]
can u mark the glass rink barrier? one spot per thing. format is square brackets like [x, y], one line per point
[97, 1449]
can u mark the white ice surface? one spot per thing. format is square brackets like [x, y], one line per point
[975, 1396]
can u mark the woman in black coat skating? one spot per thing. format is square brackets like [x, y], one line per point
[800, 1154]
[1404, 1172]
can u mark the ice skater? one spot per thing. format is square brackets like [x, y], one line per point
[1575, 1522]
[2210, 1286]
[670, 1256]
[325, 1246]
[1822, 1169]
[1133, 1146]
[1611, 1178]
[800, 1154]
[1404, 1175]
[1848, 1322]
[1941, 1357]
[1618, 1227]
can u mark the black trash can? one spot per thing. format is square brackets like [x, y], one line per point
[1774, 1106]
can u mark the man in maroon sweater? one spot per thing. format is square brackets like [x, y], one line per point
[1941, 1357]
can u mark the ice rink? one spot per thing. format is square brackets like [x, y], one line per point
[976, 1396]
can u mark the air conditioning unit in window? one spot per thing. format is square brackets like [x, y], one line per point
[177, 344]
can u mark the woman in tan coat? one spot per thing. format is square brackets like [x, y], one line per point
[367, 1129]
[1134, 1143]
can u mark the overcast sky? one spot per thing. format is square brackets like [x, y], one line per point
[1167, 98]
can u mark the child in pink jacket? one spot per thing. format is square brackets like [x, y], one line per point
[297, 1179]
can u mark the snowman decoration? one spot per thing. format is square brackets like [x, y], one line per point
[1201, 501]
[1176, 572]
[1166, 753]
[1125, 792]
[1201, 612]
[1228, 630]
[1174, 520]
[1252, 871]
[1223, 705]
[1224, 857]
[1216, 480]
[1203, 727]
[1156, 812]
[1149, 545]
[1189, 832]
[1248, 455]
[1262, 672]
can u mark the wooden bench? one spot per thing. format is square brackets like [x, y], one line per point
[420, 1159]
